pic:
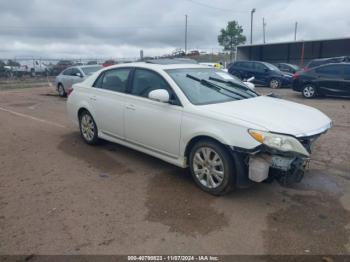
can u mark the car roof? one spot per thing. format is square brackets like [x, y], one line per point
[158, 66]
[169, 61]
[329, 58]
[87, 66]
[83, 66]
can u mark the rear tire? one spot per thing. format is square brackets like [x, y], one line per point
[309, 91]
[212, 167]
[61, 91]
[88, 128]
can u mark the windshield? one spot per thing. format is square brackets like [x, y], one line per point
[295, 67]
[208, 85]
[272, 67]
[91, 69]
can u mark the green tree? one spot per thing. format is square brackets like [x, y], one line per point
[231, 37]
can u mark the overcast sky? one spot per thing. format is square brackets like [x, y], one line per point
[120, 28]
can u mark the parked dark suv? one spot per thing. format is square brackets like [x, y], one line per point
[323, 61]
[265, 74]
[330, 79]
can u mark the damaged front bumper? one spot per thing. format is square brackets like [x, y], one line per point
[286, 170]
[266, 164]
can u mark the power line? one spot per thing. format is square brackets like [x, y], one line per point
[216, 8]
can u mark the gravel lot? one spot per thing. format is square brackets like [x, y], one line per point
[61, 196]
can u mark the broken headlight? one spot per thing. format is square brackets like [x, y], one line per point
[279, 142]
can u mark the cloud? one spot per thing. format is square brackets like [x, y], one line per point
[120, 28]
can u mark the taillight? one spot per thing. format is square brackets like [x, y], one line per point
[69, 91]
[296, 75]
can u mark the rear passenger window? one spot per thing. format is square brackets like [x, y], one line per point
[330, 70]
[114, 80]
[246, 65]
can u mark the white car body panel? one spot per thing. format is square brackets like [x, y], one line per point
[275, 115]
[164, 130]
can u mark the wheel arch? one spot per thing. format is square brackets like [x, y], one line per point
[195, 139]
[310, 82]
[81, 110]
[58, 84]
[241, 178]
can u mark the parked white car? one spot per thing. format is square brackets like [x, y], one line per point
[73, 75]
[197, 117]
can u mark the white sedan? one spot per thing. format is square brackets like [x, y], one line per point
[198, 117]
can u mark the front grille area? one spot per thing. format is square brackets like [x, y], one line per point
[308, 141]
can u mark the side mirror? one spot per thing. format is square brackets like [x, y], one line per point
[160, 95]
[78, 74]
[266, 70]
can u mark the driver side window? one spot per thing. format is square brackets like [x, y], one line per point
[146, 81]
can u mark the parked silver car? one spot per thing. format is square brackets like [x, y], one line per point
[73, 75]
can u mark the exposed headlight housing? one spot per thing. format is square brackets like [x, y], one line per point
[279, 142]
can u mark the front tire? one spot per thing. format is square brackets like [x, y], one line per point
[88, 128]
[275, 83]
[212, 167]
[309, 91]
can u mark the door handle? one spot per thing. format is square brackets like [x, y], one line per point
[131, 107]
[93, 98]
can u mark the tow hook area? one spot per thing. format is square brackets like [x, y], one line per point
[294, 175]
[286, 170]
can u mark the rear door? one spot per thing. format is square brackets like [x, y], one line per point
[260, 73]
[329, 79]
[247, 70]
[65, 78]
[107, 98]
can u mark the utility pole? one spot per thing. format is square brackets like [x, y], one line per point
[264, 30]
[185, 34]
[251, 25]
[295, 31]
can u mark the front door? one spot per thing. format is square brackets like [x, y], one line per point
[346, 81]
[152, 124]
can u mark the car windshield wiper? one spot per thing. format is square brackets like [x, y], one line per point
[245, 88]
[238, 92]
[215, 87]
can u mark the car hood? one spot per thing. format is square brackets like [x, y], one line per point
[275, 115]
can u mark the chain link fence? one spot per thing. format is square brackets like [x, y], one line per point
[21, 72]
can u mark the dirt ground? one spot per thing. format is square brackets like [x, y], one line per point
[61, 196]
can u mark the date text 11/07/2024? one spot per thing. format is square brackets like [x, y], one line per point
[173, 258]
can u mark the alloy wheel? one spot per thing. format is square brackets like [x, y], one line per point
[309, 91]
[208, 167]
[87, 127]
[275, 83]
